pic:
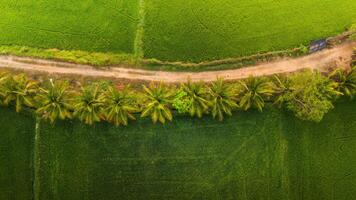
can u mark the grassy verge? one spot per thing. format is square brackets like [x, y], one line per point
[79, 57]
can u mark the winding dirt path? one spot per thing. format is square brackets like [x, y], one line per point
[339, 55]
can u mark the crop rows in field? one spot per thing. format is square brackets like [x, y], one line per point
[173, 30]
[250, 156]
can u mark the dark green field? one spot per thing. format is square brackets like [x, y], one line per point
[16, 147]
[250, 156]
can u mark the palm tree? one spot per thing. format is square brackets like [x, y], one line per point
[54, 101]
[119, 106]
[281, 87]
[345, 81]
[222, 99]
[157, 100]
[253, 93]
[89, 104]
[196, 94]
[19, 90]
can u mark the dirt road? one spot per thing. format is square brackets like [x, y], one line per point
[339, 55]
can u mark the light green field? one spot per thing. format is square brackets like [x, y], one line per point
[214, 29]
[106, 26]
[173, 30]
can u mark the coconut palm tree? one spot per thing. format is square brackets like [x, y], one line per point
[222, 99]
[197, 96]
[157, 100]
[119, 106]
[345, 81]
[54, 101]
[253, 93]
[89, 104]
[281, 87]
[19, 90]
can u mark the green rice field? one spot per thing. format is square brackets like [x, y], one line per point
[172, 30]
[16, 155]
[105, 26]
[252, 155]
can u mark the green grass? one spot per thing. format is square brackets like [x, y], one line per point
[175, 30]
[209, 29]
[105, 26]
[252, 155]
[16, 144]
[73, 56]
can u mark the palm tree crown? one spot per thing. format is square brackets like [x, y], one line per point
[19, 90]
[253, 93]
[119, 106]
[54, 101]
[157, 100]
[196, 94]
[222, 99]
[88, 105]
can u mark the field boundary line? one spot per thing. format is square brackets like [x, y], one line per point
[138, 43]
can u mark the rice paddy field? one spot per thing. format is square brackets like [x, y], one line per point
[172, 30]
[104, 26]
[269, 155]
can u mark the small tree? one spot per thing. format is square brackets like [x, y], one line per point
[253, 92]
[89, 104]
[157, 99]
[309, 95]
[119, 106]
[54, 101]
[19, 90]
[222, 99]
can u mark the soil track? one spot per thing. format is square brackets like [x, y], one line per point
[337, 56]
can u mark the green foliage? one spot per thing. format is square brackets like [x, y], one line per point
[253, 92]
[196, 98]
[18, 90]
[346, 81]
[157, 99]
[89, 104]
[181, 103]
[222, 99]
[309, 95]
[74, 56]
[55, 101]
[119, 106]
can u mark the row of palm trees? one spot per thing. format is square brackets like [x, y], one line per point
[57, 99]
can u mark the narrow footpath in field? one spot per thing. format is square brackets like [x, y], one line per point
[337, 56]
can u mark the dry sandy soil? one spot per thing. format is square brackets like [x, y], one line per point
[337, 56]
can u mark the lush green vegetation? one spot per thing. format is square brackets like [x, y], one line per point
[309, 94]
[207, 30]
[16, 155]
[251, 155]
[176, 31]
[73, 56]
[108, 26]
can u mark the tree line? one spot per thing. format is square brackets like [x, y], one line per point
[308, 94]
